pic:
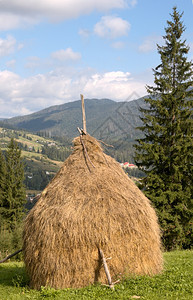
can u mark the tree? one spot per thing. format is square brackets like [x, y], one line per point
[165, 153]
[14, 199]
[2, 178]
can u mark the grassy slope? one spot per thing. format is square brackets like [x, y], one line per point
[174, 283]
[36, 142]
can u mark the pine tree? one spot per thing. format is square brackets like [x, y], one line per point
[2, 179]
[13, 204]
[166, 151]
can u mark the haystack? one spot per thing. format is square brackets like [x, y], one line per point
[90, 204]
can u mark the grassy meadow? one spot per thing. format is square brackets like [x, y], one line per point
[176, 282]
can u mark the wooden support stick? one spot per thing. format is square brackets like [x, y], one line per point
[85, 151]
[79, 130]
[111, 284]
[106, 144]
[9, 256]
[83, 114]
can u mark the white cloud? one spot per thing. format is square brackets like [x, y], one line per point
[67, 54]
[14, 13]
[7, 46]
[85, 33]
[33, 62]
[10, 20]
[114, 85]
[20, 46]
[11, 63]
[150, 43]
[20, 96]
[111, 27]
[118, 45]
[59, 59]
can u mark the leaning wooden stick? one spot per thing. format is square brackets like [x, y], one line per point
[106, 144]
[9, 256]
[85, 151]
[111, 284]
[83, 114]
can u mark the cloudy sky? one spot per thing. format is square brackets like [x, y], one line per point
[51, 51]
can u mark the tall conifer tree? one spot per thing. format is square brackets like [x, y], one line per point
[166, 151]
[2, 179]
[14, 199]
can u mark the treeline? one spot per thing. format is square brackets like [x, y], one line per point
[12, 133]
[12, 197]
[37, 180]
[121, 150]
[56, 153]
[135, 172]
[38, 173]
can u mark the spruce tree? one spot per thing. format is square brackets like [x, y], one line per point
[2, 180]
[13, 204]
[166, 151]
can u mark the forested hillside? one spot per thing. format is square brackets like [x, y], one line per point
[105, 119]
[43, 156]
[112, 122]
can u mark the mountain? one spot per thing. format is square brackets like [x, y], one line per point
[111, 122]
[106, 119]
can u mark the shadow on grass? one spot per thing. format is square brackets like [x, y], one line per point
[13, 274]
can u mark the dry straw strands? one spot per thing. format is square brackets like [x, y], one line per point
[84, 209]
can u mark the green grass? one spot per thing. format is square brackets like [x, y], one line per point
[23, 140]
[174, 283]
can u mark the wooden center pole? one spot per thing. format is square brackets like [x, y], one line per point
[83, 114]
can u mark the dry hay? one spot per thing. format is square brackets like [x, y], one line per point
[84, 208]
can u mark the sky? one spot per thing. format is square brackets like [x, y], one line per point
[51, 51]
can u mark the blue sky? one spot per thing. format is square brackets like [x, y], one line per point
[51, 51]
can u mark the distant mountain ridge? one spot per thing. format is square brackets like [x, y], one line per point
[105, 119]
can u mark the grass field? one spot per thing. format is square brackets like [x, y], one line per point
[176, 282]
